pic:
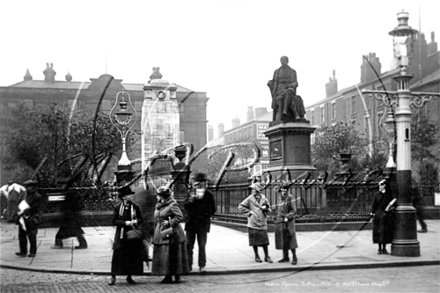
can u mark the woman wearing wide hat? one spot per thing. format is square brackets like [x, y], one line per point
[170, 253]
[127, 246]
[256, 206]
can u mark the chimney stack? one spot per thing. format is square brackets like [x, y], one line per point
[49, 73]
[250, 113]
[221, 130]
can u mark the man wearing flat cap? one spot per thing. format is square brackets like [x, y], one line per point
[285, 233]
[29, 219]
[200, 206]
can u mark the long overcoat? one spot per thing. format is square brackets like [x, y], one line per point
[257, 218]
[285, 232]
[127, 254]
[199, 212]
[170, 255]
[384, 223]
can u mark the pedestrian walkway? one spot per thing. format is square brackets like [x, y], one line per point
[228, 251]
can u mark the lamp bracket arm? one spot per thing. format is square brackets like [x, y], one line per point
[419, 98]
[389, 99]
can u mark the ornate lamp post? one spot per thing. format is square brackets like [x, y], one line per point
[122, 119]
[390, 125]
[405, 242]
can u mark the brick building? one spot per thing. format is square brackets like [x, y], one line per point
[349, 105]
[193, 120]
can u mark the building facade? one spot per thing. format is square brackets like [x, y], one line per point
[192, 104]
[366, 113]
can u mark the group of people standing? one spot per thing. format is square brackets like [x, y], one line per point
[173, 249]
[256, 206]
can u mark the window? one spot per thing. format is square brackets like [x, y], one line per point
[333, 110]
[353, 104]
[322, 114]
[312, 117]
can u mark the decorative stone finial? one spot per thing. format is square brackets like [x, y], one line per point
[68, 76]
[156, 74]
[28, 75]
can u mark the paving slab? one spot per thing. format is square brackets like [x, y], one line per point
[228, 251]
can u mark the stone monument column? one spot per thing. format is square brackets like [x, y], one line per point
[160, 118]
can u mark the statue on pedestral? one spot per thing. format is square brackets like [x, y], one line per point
[286, 105]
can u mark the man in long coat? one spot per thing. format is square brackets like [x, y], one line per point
[285, 233]
[200, 206]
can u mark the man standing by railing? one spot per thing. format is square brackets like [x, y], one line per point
[285, 234]
[200, 206]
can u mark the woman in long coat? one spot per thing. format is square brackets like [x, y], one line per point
[256, 206]
[170, 253]
[127, 252]
[285, 233]
[383, 216]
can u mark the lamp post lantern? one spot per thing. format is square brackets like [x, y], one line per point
[122, 119]
[389, 125]
[405, 242]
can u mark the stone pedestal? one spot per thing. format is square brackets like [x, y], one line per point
[289, 147]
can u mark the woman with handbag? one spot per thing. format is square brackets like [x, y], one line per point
[127, 246]
[256, 206]
[170, 253]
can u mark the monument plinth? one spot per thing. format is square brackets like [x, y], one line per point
[289, 132]
[289, 147]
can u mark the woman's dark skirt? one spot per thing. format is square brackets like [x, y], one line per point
[258, 237]
[127, 259]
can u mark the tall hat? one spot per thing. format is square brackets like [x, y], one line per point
[124, 191]
[199, 177]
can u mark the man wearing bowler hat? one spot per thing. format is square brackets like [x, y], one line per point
[29, 218]
[200, 206]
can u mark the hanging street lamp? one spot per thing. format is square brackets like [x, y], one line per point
[122, 119]
[405, 242]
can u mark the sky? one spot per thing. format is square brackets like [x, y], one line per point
[226, 48]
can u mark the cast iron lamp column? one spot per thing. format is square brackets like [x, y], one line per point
[405, 242]
[122, 120]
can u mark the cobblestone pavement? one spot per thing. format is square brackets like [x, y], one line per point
[399, 279]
